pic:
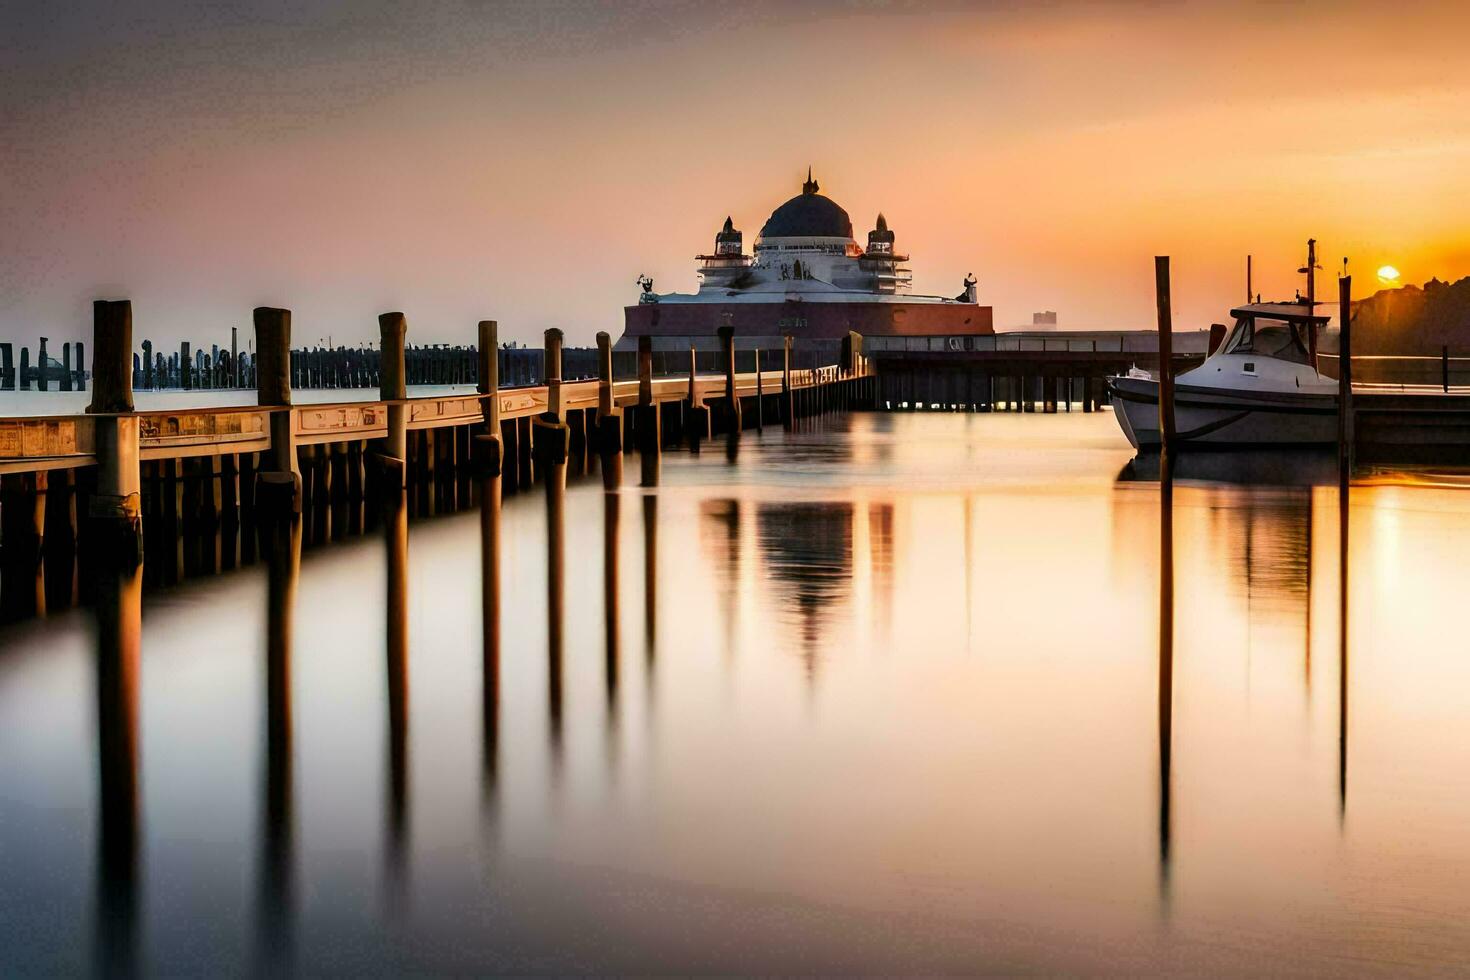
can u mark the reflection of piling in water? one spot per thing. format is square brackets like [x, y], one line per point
[650, 575]
[610, 526]
[1166, 663]
[22, 531]
[551, 440]
[1342, 643]
[489, 458]
[119, 614]
[281, 539]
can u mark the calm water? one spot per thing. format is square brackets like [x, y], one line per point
[881, 696]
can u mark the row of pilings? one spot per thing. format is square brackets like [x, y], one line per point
[190, 516]
[940, 388]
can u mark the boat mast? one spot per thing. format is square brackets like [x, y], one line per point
[1310, 270]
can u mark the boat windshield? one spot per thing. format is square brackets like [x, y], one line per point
[1281, 339]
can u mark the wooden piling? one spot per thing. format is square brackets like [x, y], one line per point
[273, 388]
[731, 421]
[115, 508]
[1345, 433]
[1166, 352]
[393, 386]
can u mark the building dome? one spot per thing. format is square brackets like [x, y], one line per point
[808, 215]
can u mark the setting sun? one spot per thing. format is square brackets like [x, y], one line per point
[1387, 274]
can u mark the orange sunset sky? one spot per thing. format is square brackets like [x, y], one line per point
[528, 161]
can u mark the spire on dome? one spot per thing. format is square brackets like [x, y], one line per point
[811, 186]
[729, 225]
[882, 222]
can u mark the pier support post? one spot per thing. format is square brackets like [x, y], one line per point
[786, 395]
[393, 388]
[732, 400]
[550, 433]
[1166, 353]
[1346, 450]
[649, 428]
[609, 420]
[273, 388]
[115, 508]
[696, 413]
[489, 389]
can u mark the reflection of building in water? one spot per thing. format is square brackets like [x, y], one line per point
[807, 550]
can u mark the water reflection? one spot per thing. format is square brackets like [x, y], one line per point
[276, 899]
[1166, 672]
[395, 603]
[1030, 783]
[556, 491]
[807, 550]
[719, 536]
[119, 623]
[490, 500]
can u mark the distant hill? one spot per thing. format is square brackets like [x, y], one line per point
[1412, 320]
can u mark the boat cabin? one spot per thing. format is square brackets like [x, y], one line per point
[1285, 331]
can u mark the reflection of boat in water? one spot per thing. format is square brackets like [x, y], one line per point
[1260, 388]
[1254, 467]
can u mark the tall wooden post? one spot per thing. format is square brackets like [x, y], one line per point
[649, 428]
[1345, 433]
[489, 444]
[553, 344]
[732, 399]
[604, 375]
[115, 508]
[787, 399]
[645, 370]
[609, 422]
[1166, 353]
[273, 388]
[393, 388]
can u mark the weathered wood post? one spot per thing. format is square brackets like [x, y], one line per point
[787, 399]
[279, 468]
[1166, 353]
[649, 430]
[760, 395]
[393, 388]
[1345, 434]
[609, 421]
[115, 509]
[696, 413]
[732, 398]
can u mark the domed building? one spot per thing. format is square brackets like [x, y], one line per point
[808, 277]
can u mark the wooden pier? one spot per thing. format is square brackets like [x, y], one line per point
[197, 485]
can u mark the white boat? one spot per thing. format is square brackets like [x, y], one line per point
[1259, 388]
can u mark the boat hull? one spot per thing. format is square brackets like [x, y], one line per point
[1220, 418]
